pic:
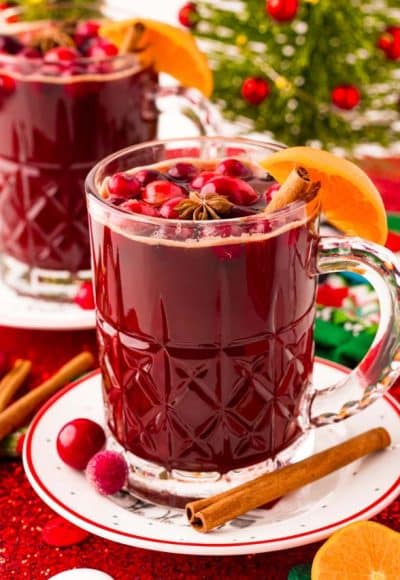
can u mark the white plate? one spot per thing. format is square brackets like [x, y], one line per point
[24, 312]
[356, 492]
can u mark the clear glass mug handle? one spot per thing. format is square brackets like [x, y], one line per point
[377, 372]
[191, 104]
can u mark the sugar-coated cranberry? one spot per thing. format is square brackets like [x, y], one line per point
[233, 168]
[146, 176]
[30, 52]
[270, 192]
[235, 189]
[124, 185]
[141, 207]
[183, 171]
[168, 210]
[101, 48]
[202, 178]
[87, 29]
[107, 471]
[61, 55]
[7, 84]
[10, 44]
[84, 297]
[78, 441]
[158, 192]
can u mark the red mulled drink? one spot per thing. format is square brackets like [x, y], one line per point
[205, 309]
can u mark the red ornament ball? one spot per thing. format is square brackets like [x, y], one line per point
[389, 42]
[188, 15]
[282, 10]
[255, 90]
[346, 97]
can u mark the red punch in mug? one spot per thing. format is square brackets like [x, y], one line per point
[62, 109]
[205, 314]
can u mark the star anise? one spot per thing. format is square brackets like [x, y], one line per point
[209, 207]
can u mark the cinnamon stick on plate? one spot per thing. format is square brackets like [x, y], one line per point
[206, 514]
[298, 186]
[17, 414]
[13, 381]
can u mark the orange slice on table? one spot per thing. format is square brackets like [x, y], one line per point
[349, 199]
[172, 50]
[360, 551]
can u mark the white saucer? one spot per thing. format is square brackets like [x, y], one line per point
[24, 312]
[356, 492]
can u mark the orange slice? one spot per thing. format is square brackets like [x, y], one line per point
[360, 551]
[349, 199]
[172, 50]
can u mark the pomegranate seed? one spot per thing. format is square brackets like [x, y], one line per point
[146, 176]
[84, 297]
[100, 48]
[203, 178]
[236, 190]
[7, 84]
[158, 192]
[233, 168]
[124, 185]
[183, 171]
[168, 210]
[141, 207]
[61, 55]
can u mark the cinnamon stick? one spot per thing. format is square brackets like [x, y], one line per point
[13, 381]
[133, 35]
[17, 414]
[298, 186]
[206, 514]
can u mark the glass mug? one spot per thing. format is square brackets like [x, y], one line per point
[54, 127]
[206, 342]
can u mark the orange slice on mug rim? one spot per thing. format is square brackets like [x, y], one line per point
[349, 199]
[360, 550]
[170, 49]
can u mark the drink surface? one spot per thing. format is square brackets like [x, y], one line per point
[206, 345]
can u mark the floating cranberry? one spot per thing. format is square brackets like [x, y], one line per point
[30, 52]
[124, 185]
[158, 192]
[101, 48]
[233, 168]
[168, 210]
[236, 190]
[84, 297]
[7, 84]
[203, 178]
[10, 44]
[85, 30]
[107, 471]
[141, 207]
[61, 55]
[78, 441]
[183, 171]
[146, 176]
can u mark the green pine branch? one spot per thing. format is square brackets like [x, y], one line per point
[58, 9]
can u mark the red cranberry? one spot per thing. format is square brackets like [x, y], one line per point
[158, 192]
[236, 190]
[88, 29]
[124, 185]
[78, 441]
[84, 297]
[233, 168]
[183, 171]
[141, 207]
[61, 55]
[203, 178]
[10, 44]
[168, 210]
[146, 176]
[7, 84]
[101, 48]
[30, 52]
[270, 192]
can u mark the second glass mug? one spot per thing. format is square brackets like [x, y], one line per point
[54, 127]
[206, 341]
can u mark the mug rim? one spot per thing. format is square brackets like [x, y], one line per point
[282, 215]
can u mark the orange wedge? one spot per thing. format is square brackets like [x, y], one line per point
[360, 551]
[349, 199]
[172, 50]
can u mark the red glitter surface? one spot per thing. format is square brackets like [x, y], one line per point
[23, 553]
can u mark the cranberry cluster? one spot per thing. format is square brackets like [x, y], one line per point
[158, 192]
[82, 41]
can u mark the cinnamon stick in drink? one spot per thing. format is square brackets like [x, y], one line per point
[298, 186]
[17, 414]
[206, 514]
[13, 381]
